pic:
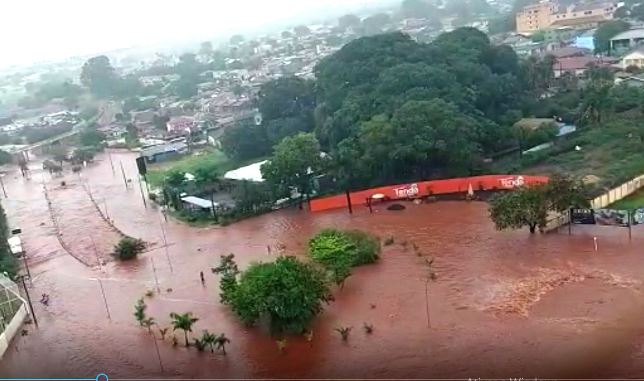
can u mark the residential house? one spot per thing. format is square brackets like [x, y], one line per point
[163, 152]
[568, 51]
[180, 124]
[627, 40]
[629, 80]
[577, 65]
[633, 58]
[143, 118]
[549, 14]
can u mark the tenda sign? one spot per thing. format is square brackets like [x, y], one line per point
[512, 182]
[406, 191]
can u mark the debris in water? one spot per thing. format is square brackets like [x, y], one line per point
[396, 207]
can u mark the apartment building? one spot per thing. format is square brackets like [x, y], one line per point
[549, 14]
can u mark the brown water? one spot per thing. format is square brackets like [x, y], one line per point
[505, 304]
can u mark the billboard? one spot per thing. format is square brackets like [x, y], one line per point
[613, 217]
[582, 216]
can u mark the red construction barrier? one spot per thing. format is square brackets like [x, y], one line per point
[428, 188]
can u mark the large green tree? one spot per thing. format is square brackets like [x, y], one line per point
[99, 76]
[529, 205]
[293, 163]
[286, 97]
[245, 140]
[286, 293]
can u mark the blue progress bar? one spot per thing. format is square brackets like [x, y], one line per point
[99, 377]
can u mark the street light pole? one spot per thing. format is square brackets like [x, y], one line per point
[31, 306]
[3, 190]
[100, 283]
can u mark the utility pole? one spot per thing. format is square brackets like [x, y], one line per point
[100, 283]
[3, 190]
[165, 245]
[109, 154]
[156, 345]
[98, 260]
[142, 193]
[154, 272]
[123, 173]
[31, 306]
[24, 259]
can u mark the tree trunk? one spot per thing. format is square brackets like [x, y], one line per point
[533, 228]
[186, 336]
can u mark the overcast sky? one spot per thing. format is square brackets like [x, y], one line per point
[33, 30]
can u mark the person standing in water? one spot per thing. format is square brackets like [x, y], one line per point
[203, 280]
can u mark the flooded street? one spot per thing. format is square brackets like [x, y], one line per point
[504, 304]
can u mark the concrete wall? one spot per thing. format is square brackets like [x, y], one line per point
[556, 220]
[618, 193]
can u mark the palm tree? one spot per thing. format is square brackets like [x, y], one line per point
[209, 339]
[183, 322]
[139, 311]
[200, 344]
[163, 331]
[148, 323]
[221, 342]
[344, 332]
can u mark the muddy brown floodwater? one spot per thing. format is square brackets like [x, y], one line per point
[504, 304]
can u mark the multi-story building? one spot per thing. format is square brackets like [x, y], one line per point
[549, 14]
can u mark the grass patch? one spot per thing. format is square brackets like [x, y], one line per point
[634, 201]
[189, 163]
[610, 151]
[208, 158]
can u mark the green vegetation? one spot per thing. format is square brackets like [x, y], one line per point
[35, 135]
[529, 206]
[210, 160]
[338, 251]
[5, 157]
[293, 163]
[8, 263]
[139, 311]
[605, 32]
[128, 248]
[634, 201]
[183, 322]
[287, 294]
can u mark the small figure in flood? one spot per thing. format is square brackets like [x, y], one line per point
[45, 299]
[203, 280]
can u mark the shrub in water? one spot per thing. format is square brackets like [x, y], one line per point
[129, 248]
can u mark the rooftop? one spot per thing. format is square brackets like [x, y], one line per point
[629, 34]
[574, 63]
[250, 172]
[161, 148]
[198, 201]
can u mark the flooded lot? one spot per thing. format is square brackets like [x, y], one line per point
[504, 304]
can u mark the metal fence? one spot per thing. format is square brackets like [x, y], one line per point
[10, 301]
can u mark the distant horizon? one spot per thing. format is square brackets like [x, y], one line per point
[57, 23]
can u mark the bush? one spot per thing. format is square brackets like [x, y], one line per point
[367, 247]
[128, 248]
[338, 251]
[288, 293]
